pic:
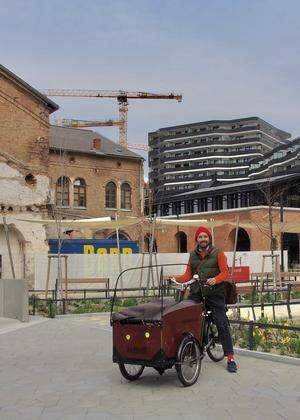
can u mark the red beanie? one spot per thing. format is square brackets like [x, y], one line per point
[202, 229]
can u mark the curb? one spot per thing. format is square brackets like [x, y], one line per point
[82, 315]
[268, 356]
[22, 325]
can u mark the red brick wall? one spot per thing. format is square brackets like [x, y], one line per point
[24, 125]
[224, 235]
[97, 172]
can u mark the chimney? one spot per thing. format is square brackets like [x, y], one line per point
[97, 144]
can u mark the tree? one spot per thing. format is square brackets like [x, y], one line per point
[272, 196]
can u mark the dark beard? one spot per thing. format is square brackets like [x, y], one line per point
[202, 246]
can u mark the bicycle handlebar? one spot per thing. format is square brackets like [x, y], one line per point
[196, 278]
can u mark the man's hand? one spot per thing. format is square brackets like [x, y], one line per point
[173, 280]
[211, 282]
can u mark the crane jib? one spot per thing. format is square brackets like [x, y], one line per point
[121, 96]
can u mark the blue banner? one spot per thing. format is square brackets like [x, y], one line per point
[93, 246]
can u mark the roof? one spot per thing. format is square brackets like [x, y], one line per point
[236, 120]
[81, 141]
[208, 122]
[34, 92]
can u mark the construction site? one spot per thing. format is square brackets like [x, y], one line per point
[149, 210]
[77, 216]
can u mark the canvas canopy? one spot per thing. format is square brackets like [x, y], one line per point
[94, 223]
[107, 223]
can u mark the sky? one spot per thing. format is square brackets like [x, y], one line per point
[228, 58]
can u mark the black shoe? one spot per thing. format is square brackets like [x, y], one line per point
[231, 366]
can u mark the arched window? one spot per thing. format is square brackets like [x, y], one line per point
[243, 240]
[79, 193]
[147, 240]
[111, 195]
[291, 243]
[181, 239]
[63, 192]
[126, 196]
[122, 236]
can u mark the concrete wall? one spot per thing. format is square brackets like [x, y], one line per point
[17, 193]
[26, 239]
[14, 299]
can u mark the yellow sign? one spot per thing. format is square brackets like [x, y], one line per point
[90, 249]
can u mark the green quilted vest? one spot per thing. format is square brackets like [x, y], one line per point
[208, 266]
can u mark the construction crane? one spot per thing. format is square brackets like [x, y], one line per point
[122, 98]
[73, 123]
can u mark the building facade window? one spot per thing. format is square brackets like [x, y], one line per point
[79, 193]
[111, 195]
[125, 196]
[181, 239]
[63, 192]
[122, 236]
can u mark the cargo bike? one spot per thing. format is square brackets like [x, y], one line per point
[163, 333]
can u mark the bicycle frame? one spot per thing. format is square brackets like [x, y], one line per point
[206, 318]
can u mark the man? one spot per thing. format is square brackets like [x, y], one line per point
[211, 262]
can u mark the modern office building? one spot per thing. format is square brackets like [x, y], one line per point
[190, 157]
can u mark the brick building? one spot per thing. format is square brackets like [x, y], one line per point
[47, 171]
[250, 239]
[91, 176]
[24, 181]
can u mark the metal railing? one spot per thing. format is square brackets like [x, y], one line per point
[252, 324]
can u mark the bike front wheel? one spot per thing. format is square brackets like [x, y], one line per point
[188, 364]
[214, 347]
[131, 372]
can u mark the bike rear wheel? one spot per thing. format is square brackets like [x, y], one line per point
[214, 347]
[188, 364]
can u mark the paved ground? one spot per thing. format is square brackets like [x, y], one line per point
[8, 324]
[62, 369]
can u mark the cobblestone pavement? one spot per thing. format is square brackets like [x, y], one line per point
[62, 369]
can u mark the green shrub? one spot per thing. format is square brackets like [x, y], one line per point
[88, 306]
[268, 339]
[129, 302]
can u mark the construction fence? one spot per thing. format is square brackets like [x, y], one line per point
[110, 265]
